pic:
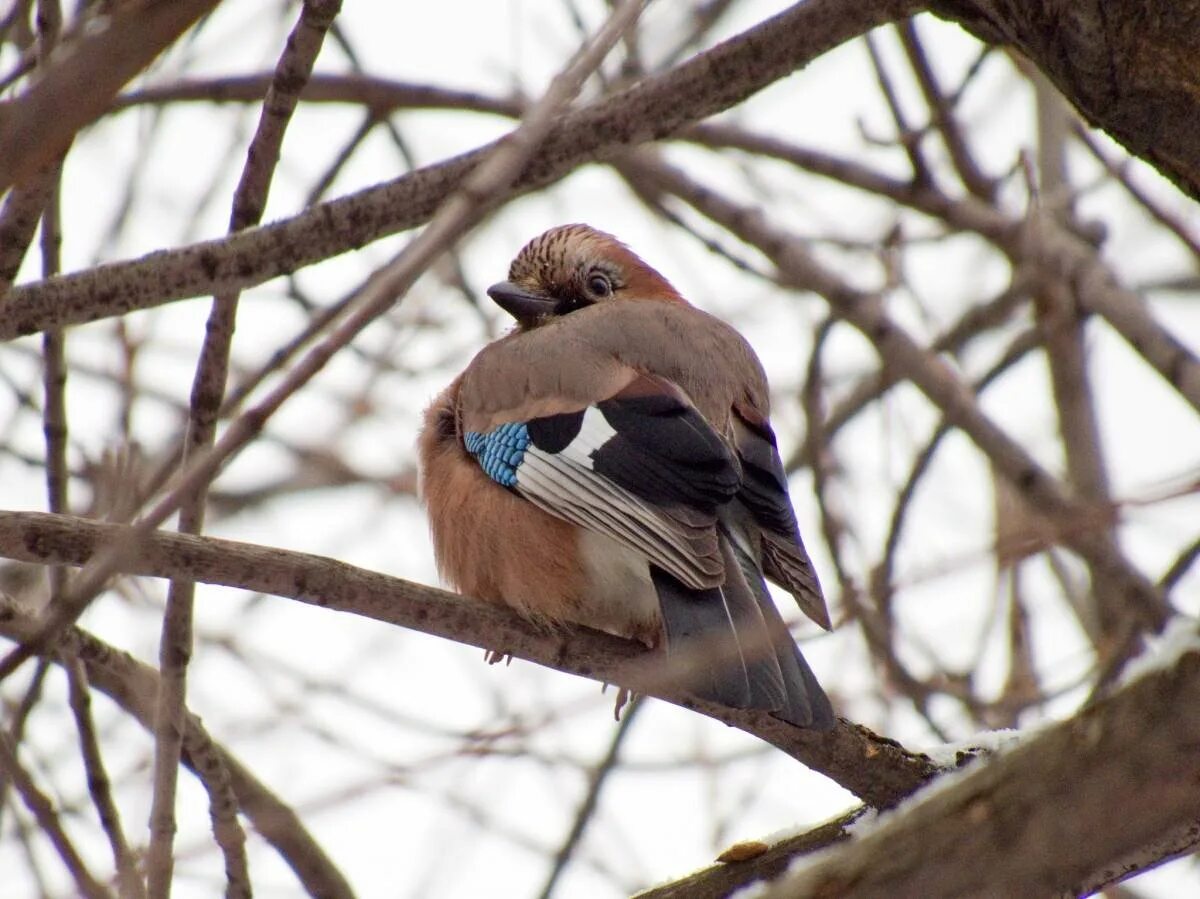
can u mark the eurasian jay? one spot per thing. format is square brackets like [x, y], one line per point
[610, 463]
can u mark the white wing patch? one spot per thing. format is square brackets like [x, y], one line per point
[565, 485]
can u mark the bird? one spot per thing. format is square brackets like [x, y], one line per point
[610, 463]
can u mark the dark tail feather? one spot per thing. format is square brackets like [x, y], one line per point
[768, 690]
[806, 704]
[694, 618]
[768, 671]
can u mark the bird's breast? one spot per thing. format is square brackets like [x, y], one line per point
[618, 596]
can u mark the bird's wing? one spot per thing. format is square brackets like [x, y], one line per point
[641, 466]
[765, 495]
[610, 408]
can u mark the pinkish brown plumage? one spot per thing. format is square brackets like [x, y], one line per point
[610, 463]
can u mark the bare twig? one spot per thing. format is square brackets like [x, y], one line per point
[378, 95]
[208, 390]
[1180, 566]
[54, 367]
[587, 808]
[129, 882]
[1121, 171]
[906, 136]
[726, 879]
[942, 109]
[20, 717]
[43, 811]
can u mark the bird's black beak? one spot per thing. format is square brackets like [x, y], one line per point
[522, 305]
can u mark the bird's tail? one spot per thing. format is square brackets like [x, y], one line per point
[758, 665]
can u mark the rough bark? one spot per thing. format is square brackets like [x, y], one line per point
[1129, 67]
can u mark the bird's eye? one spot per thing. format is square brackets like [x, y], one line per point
[599, 285]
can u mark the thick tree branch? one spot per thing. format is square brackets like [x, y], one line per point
[1034, 821]
[878, 770]
[1128, 66]
[1065, 812]
[715, 80]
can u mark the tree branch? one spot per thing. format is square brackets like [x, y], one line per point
[133, 686]
[1127, 66]
[660, 105]
[1081, 526]
[37, 126]
[878, 770]
[1037, 820]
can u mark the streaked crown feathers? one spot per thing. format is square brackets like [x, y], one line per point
[562, 260]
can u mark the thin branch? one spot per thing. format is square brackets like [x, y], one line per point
[725, 879]
[54, 380]
[20, 717]
[942, 109]
[43, 811]
[1180, 567]
[833, 525]
[208, 389]
[318, 190]
[129, 882]
[908, 137]
[1121, 172]
[380, 96]
[587, 809]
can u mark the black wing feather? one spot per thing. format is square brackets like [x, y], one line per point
[806, 704]
[654, 445]
[665, 452]
[764, 488]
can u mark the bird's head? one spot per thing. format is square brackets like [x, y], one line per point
[572, 267]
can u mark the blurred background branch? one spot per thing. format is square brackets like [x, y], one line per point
[966, 248]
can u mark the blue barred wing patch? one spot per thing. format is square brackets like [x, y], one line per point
[500, 452]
